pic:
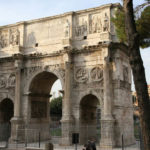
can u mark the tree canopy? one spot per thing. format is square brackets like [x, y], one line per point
[56, 106]
[142, 26]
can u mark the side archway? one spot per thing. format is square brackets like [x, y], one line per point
[6, 113]
[90, 114]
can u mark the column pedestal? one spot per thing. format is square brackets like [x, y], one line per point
[17, 130]
[67, 127]
[107, 134]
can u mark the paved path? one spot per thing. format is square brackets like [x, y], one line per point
[58, 147]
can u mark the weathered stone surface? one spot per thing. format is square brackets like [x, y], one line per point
[72, 47]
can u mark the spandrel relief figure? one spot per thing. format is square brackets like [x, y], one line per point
[14, 37]
[12, 80]
[106, 23]
[2, 82]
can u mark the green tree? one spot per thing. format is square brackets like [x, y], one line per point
[56, 106]
[142, 25]
[132, 44]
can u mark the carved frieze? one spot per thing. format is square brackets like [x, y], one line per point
[7, 81]
[81, 28]
[81, 74]
[28, 72]
[95, 24]
[9, 37]
[96, 74]
[91, 24]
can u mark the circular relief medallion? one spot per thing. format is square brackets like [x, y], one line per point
[96, 74]
[81, 75]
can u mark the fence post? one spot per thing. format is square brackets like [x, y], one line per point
[122, 143]
[26, 134]
[39, 139]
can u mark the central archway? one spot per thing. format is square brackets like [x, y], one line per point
[39, 103]
[89, 118]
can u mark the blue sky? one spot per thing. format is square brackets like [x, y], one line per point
[12, 11]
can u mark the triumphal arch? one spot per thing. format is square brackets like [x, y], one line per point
[75, 48]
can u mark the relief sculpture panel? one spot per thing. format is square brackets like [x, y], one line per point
[3, 81]
[95, 23]
[81, 28]
[14, 36]
[4, 39]
[9, 37]
[11, 80]
[96, 74]
[7, 80]
[91, 24]
[81, 74]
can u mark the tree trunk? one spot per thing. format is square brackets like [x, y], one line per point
[138, 72]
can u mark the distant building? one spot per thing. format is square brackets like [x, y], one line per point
[135, 103]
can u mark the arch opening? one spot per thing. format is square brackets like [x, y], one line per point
[6, 113]
[41, 92]
[90, 115]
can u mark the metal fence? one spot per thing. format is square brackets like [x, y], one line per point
[38, 138]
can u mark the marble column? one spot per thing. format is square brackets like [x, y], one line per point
[16, 121]
[107, 122]
[67, 120]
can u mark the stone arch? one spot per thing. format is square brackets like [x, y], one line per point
[6, 113]
[92, 92]
[7, 96]
[89, 120]
[32, 76]
[38, 101]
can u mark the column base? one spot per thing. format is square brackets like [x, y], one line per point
[17, 126]
[67, 130]
[107, 134]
